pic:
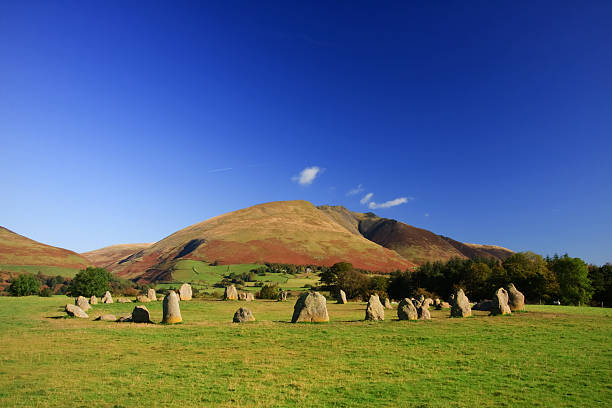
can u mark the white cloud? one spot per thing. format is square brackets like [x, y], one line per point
[366, 198]
[307, 175]
[220, 170]
[390, 203]
[355, 191]
[427, 214]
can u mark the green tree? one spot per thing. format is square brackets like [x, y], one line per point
[531, 275]
[89, 282]
[330, 276]
[573, 277]
[24, 285]
[601, 281]
[353, 283]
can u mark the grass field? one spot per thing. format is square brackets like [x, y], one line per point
[45, 270]
[550, 356]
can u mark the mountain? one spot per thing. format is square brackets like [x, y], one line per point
[294, 232]
[107, 256]
[19, 254]
[415, 244]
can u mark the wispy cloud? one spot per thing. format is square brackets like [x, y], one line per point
[307, 176]
[390, 203]
[427, 214]
[366, 198]
[355, 191]
[220, 170]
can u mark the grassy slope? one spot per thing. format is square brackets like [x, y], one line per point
[550, 356]
[110, 255]
[18, 253]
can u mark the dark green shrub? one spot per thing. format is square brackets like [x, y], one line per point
[46, 292]
[89, 282]
[268, 292]
[24, 285]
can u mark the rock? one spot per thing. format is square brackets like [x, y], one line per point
[437, 302]
[230, 293]
[342, 297]
[388, 304]
[500, 303]
[241, 296]
[445, 305]
[185, 292]
[375, 310]
[124, 300]
[93, 300]
[485, 305]
[249, 297]
[423, 311]
[282, 296]
[107, 298]
[243, 315]
[172, 311]
[140, 314]
[152, 295]
[107, 318]
[143, 299]
[516, 300]
[460, 306]
[125, 319]
[74, 310]
[310, 307]
[82, 303]
[406, 310]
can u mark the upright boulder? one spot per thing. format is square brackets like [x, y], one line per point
[375, 310]
[342, 297]
[437, 302]
[140, 314]
[249, 297]
[93, 300]
[74, 310]
[172, 311]
[310, 307]
[460, 306]
[152, 295]
[388, 304]
[406, 310]
[500, 302]
[185, 292]
[107, 298]
[241, 296]
[83, 303]
[282, 295]
[230, 293]
[516, 300]
[243, 315]
[423, 310]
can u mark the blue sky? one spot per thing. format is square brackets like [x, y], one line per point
[126, 121]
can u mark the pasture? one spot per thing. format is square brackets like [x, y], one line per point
[549, 356]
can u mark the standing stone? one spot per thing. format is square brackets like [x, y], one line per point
[282, 295]
[230, 293]
[375, 310]
[140, 314]
[342, 297]
[107, 318]
[388, 304]
[460, 306]
[516, 300]
[249, 297]
[406, 310]
[83, 303]
[500, 302]
[74, 310]
[152, 295]
[124, 300]
[423, 311]
[437, 302]
[185, 292]
[444, 305]
[241, 296]
[93, 300]
[172, 311]
[142, 299]
[107, 298]
[243, 315]
[310, 307]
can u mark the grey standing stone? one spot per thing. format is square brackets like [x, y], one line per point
[241, 296]
[406, 310]
[342, 297]
[243, 315]
[516, 300]
[74, 310]
[230, 293]
[185, 292]
[282, 295]
[93, 300]
[500, 303]
[375, 310]
[423, 311]
[249, 297]
[83, 303]
[124, 300]
[140, 314]
[310, 307]
[460, 306]
[152, 295]
[172, 311]
[107, 298]
[388, 304]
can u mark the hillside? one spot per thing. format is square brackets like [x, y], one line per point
[415, 244]
[294, 232]
[107, 256]
[21, 254]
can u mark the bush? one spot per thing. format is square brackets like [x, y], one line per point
[268, 292]
[46, 292]
[24, 285]
[89, 282]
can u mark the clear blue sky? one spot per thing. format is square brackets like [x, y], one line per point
[124, 121]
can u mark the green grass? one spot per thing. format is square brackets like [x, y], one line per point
[551, 356]
[45, 270]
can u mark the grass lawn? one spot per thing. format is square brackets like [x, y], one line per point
[550, 356]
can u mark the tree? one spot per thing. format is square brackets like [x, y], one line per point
[531, 275]
[353, 283]
[90, 282]
[601, 281]
[573, 277]
[330, 276]
[24, 285]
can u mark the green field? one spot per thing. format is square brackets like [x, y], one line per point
[551, 356]
[45, 270]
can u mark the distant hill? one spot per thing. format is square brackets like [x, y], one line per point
[293, 232]
[21, 254]
[415, 244]
[107, 256]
